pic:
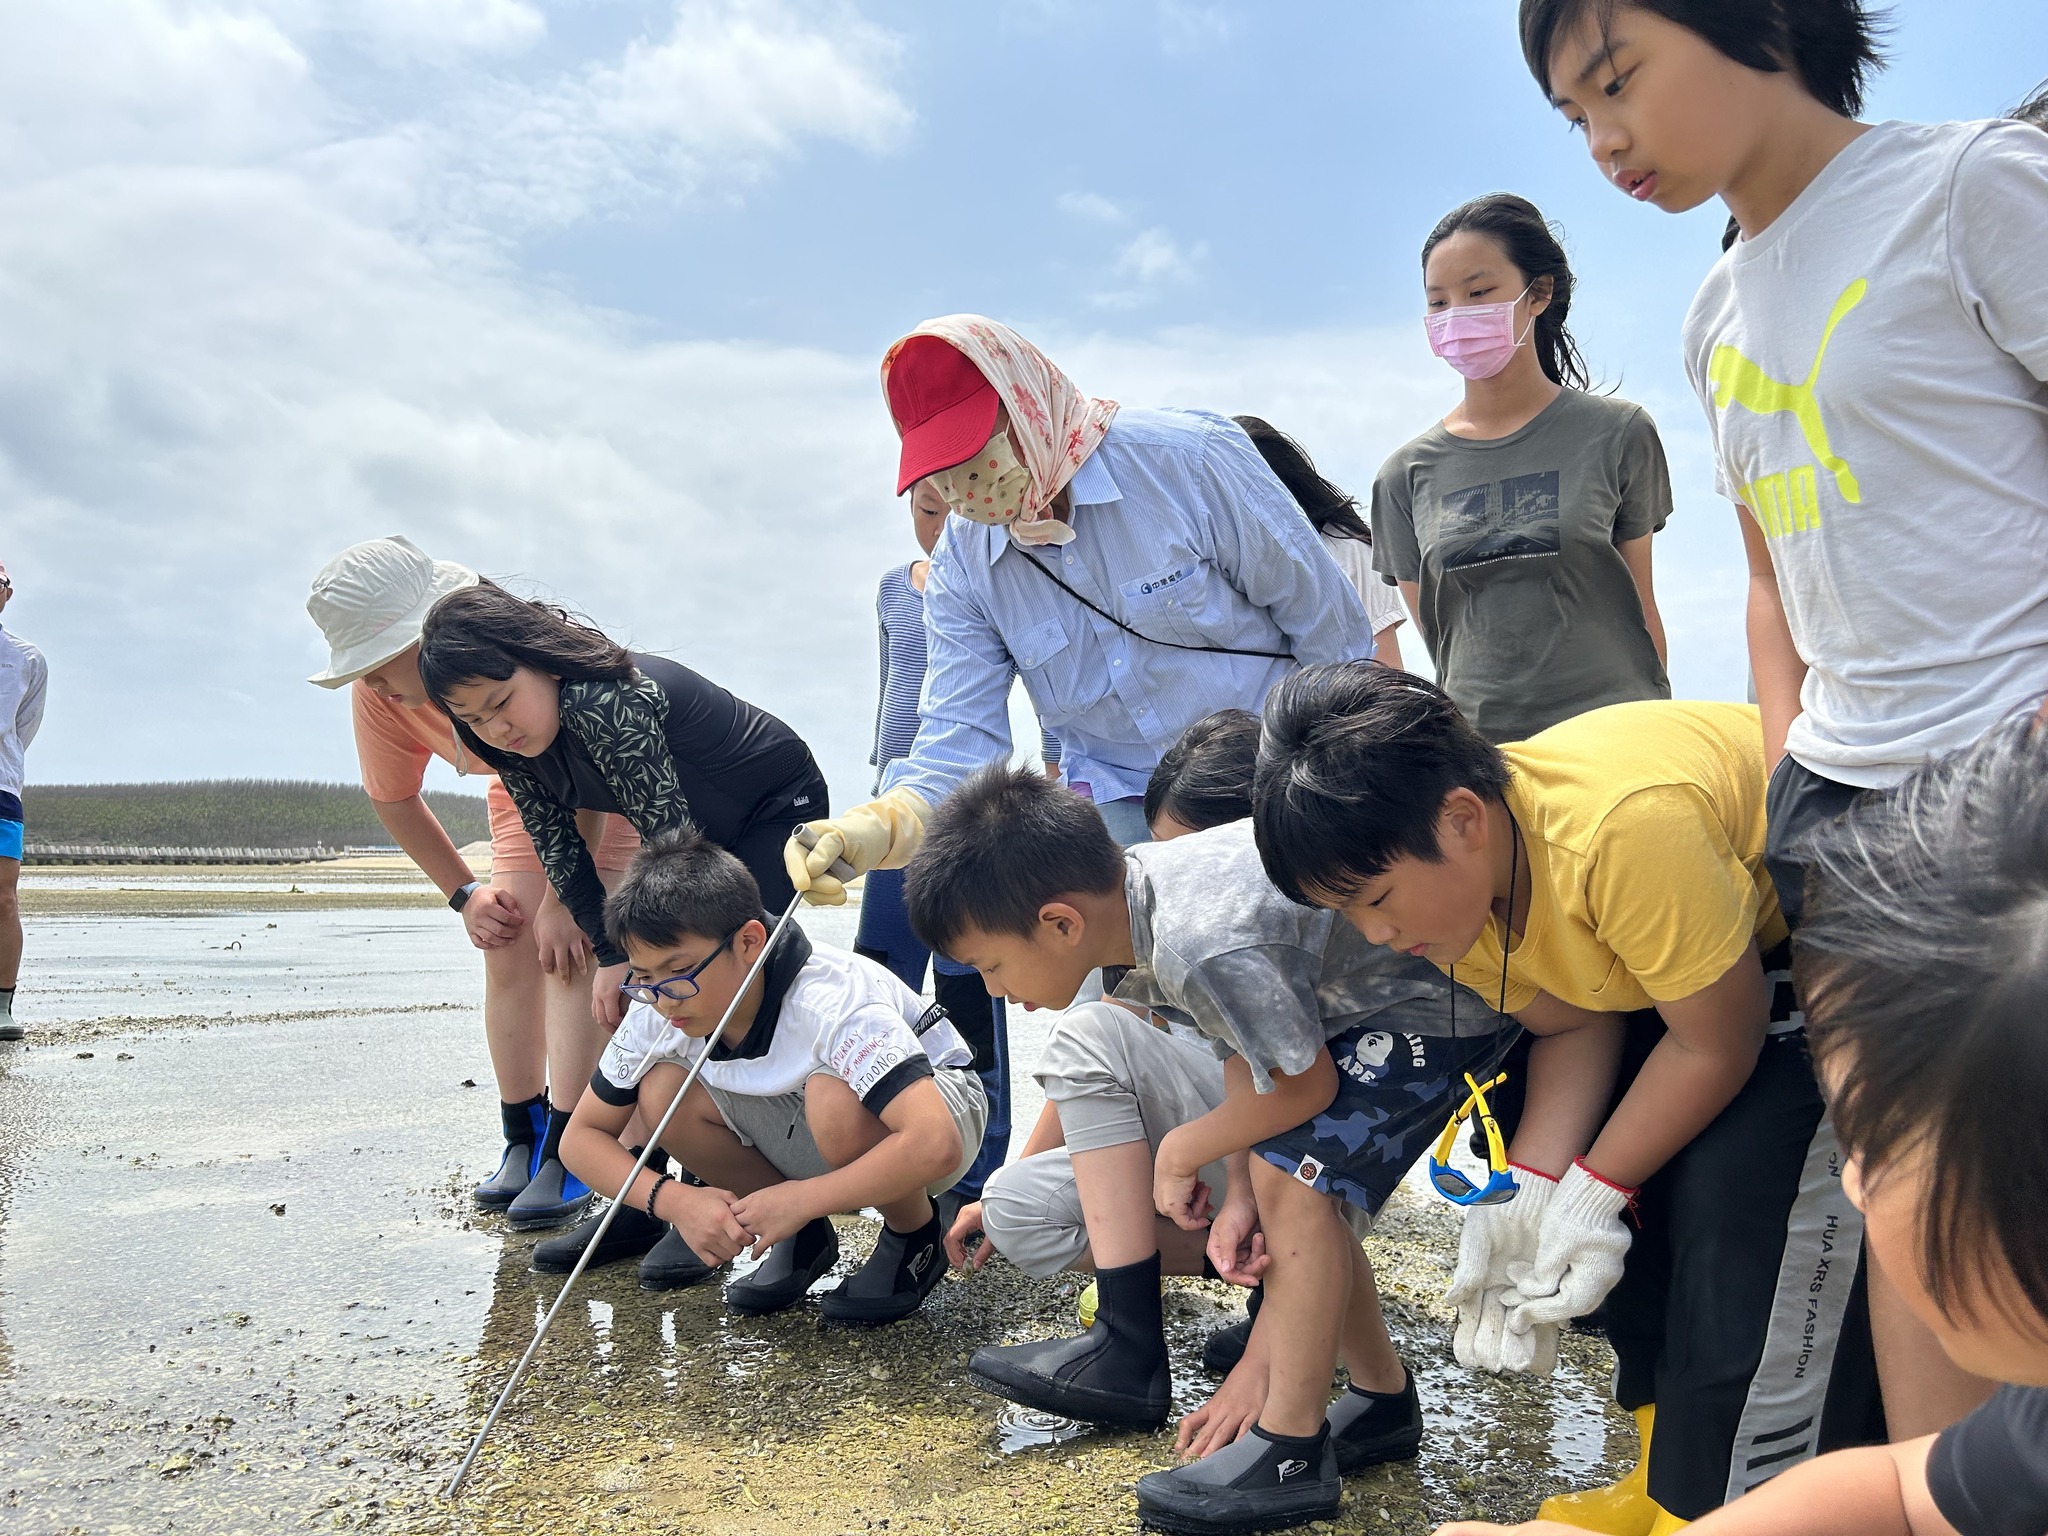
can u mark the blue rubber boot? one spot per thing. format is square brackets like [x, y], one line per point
[526, 1128]
[554, 1196]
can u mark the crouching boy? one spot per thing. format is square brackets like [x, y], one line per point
[1924, 969]
[1608, 865]
[832, 1088]
[1341, 1060]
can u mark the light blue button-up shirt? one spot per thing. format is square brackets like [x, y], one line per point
[1183, 533]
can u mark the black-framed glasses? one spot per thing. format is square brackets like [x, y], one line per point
[679, 988]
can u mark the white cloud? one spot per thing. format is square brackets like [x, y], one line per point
[1154, 256]
[1185, 27]
[1091, 206]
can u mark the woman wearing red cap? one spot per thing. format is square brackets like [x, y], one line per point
[1139, 568]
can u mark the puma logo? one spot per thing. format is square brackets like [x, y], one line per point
[1738, 381]
[1292, 1467]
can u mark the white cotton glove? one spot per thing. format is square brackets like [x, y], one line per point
[1579, 1253]
[883, 834]
[1494, 1237]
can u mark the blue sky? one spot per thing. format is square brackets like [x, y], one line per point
[590, 295]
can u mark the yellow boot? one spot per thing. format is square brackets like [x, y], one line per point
[1620, 1509]
[1666, 1522]
[1085, 1305]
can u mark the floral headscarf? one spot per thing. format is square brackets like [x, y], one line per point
[1056, 426]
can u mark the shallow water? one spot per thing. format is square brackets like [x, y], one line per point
[242, 1289]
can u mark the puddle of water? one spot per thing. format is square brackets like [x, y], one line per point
[1026, 1429]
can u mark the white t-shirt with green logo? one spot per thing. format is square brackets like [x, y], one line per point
[1872, 367]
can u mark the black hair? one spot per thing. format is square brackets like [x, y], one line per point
[1000, 847]
[1355, 763]
[2034, 109]
[1832, 45]
[1332, 511]
[681, 885]
[1527, 239]
[485, 632]
[1923, 965]
[1205, 778]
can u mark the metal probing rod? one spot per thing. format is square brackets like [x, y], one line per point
[840, 870]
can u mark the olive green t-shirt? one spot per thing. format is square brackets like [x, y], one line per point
[1528, 610]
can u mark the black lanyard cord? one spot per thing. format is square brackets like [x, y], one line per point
[1215, 650]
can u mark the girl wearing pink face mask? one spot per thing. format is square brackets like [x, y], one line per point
[1518, 527]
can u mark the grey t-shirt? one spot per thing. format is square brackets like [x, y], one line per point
[1218, 947]
[1529, 611]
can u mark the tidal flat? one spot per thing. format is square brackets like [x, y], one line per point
[243, 1288]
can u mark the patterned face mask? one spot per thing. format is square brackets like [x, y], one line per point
[994, 487]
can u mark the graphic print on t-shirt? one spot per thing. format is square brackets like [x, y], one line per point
[1788, 501]
[1511, 519]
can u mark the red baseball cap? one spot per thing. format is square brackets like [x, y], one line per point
[943, 407]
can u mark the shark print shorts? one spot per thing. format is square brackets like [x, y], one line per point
[1394, 1093]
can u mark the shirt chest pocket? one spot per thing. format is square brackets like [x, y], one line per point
[1176, 601]
[1061, 687]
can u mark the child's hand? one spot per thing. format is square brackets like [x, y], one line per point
[1177, 1192]
[966, 1227]
[1224, 1419]
[607, 1003]
[705, 1219]
[773, 1213]
[1236, 1245]
[564, 951]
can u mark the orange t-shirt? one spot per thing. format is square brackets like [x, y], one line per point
[394, 744]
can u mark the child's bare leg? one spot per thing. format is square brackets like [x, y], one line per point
[514, 1020]
[699, 1138]
[1307, 1286]
[1363, 1344]
[846, 1130]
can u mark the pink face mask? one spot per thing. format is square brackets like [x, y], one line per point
[1477, 339]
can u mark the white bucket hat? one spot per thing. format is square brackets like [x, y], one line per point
[371, 601]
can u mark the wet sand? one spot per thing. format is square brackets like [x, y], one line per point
[242, 1288]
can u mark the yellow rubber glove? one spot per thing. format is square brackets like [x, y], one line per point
[883, 834]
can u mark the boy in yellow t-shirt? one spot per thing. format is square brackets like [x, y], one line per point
[1618, 860]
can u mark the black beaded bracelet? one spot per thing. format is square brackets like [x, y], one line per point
[654, 1193]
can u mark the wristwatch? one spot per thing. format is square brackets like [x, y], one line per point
[462, 894]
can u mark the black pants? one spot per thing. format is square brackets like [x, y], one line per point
[759, 846]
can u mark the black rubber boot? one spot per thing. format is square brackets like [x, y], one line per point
[895, 1280]
[9, 1030]
[1264, 1482]
[672, 1264]
[1368, 1428]
[1115, 1373]
[631, 1233]
[554, 1196]
[526, 1127]
[791, 1269]
[1225, 1347]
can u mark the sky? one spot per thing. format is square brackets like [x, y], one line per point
[590, 295]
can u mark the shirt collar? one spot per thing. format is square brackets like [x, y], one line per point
[791, 954]
[1091, 486]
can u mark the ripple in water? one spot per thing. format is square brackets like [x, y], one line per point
[1026, 1429]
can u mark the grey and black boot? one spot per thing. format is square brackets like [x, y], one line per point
[1115, 1373]
[9, 1030]
[1264, 1482]
[526, 1127]
[1368, 1428]
[672, 1264]
[631, 1234]
[1225, 1347]
[893, 1283]
[792, 1267]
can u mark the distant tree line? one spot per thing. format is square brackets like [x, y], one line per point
[243, 813]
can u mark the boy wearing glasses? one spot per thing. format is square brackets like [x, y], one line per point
[1340, 1061]
[832, 1088]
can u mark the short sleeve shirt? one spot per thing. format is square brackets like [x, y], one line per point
[1528, 609]
[1989, 1473]
[1218, 947]
[395, 743]
[829, 1012]
[1384, 609]
[1874, 368]
[1643, 825]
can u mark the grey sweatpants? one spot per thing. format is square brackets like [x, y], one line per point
[1114, 1079]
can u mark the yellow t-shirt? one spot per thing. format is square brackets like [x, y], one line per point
[1643, 825]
